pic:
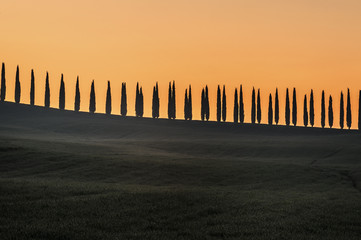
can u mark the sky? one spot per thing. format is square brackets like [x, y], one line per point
[260, 43]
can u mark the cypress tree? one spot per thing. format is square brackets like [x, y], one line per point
[359, 110]
[330, 112]
[3, 83]
[312, 110]
[170, 101]
[173, 101]
[305, 112]
[253, 110]
[241, 105]
[108, 103]
[154, 103]
[348, 110]
[92, 105]
[32, 88]
[17, 86]
[137, 100]
[342, 111]
[186, 105]
[206, 103]
[190, 114]
[235, 109]
[47, 91]
[287, 108]
[157, 100]
[323, 110]
[141, 103]
[259, 112]
[277, 108]
[219, 104]
[123, 103]
[294, 108]
[270, 110]
[203, 108]
[224, 104]
[62, 94]
[77, 96]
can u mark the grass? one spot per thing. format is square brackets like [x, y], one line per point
[65, 175]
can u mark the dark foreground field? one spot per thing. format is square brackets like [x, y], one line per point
[66, 175]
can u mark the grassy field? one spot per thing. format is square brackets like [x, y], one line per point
[66, 175]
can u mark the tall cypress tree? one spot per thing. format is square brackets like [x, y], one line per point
[157, 100]
[47, 91]
[173, 101]
[287, 108]
[154, 103]
[348, 110]
[270, 110]
[359, 110]
[253, 109]
[77, 96]
[224, 104]
[330, 112]
[170, 101]
[123, 103]
[235, 108]
[305, 112]
[62, 93]
[277, 108]
[342, 111]
[186, 105]
[323, 110]
[206, 103]
[141, 103]
[190, 114]
[32, 88]
[3, 83]
[312, 110]
[108, 103]
[219, 104]
[294, 108]
[241, 105]
[92, 105]
[137, 100]
[259, 112]
[203, 108]
[17, 86]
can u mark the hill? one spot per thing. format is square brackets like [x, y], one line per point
[69, 175]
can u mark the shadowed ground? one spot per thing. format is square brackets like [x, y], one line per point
[66, 175]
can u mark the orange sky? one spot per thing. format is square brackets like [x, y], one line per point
[267, 44]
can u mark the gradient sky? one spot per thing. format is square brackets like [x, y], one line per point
[266, 44]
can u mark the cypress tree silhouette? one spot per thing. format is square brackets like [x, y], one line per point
[253, 109]
[62, 94]
[173, 101]
[305, 112]
[141, 103]
[348, 110]
[17, 86]
[190, 114]
[123, 103]
[170, 101]
[270, 110]
[277, 108]
[32, 88]
[312, 110]
[108, 103]
[203, 108]
[77, 96]
[241, 105]
[219, 104]
[137, 101]
[186, 105]
[206, 103]
[323, 110]
[330, 112]
[157, 100]
[359, 110]
[224, 104]
[287, 108]
[154, 103]
[92, 105]
[294, 108]
[259, 112]
[342, 111]
[47, 91]
[235, 108]
[3, 83]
